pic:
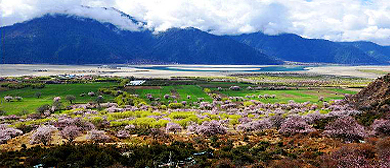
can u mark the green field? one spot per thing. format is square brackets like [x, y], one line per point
[30, 102]
[282, 96]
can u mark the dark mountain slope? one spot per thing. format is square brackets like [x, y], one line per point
[62, 39]
[291, 47]
[192, 45]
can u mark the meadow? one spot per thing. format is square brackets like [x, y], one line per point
[31, 102]
[189, 93]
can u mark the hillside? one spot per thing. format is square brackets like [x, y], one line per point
[291, 47]
[376, 96]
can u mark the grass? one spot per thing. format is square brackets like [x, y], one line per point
[181, 91]
[30, 103]
[282, 96]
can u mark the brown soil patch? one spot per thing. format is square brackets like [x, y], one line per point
[220, 94]
[143, 87]
[288, 95]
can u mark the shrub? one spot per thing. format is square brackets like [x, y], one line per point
[346, 128]
[97, 136]
[295, 125]
[70, 132]
[43, 134]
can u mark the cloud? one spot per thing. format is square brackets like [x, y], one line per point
[336, 20]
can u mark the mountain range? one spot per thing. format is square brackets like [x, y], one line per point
[66, 39]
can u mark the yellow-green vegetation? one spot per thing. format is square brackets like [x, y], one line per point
[128, 99]
[374, 71]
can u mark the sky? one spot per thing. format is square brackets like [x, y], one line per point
[336, 20]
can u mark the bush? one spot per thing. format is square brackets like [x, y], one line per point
[346, 128]
[175, 105]
[295, 125]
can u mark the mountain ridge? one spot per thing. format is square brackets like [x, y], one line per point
[69, 39]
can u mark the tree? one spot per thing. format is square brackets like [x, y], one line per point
[57, 105]
[70, 98]
[2, 112]
[97, 136]
[43, 108]
[210, 128]
[43, 134]
[295, 125]
[7, 133]
[99, 99]
[70, 132]
[38, 94]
